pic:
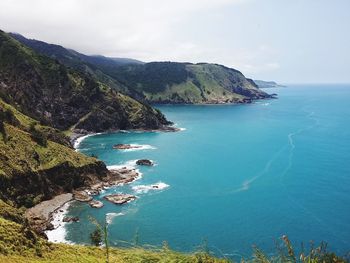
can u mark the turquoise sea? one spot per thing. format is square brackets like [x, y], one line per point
[236, 176]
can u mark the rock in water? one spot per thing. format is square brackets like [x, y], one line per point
[125, 146]
[82, 196]
[144, 162]
[120, 199]
[68, 219]
[96, 204]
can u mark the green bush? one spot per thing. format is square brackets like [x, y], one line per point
[37, 135]
[96, 237]
[3, 130]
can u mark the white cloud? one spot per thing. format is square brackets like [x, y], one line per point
[143, 29]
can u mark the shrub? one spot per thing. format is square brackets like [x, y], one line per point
[37, 135]
[96, 237]
[2, 130]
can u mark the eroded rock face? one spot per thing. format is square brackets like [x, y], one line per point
[96, 204]
[120, 199]
[144, 162]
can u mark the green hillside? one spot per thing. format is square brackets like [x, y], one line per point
[167, 82]
[37, 162]
[46, 90]
[159, 82]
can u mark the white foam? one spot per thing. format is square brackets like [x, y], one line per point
[140, 147]
[262, 103]
[58, 234]
[142, 189]
[111, 216]
[129, 164]
[180, 129]
[78, 141]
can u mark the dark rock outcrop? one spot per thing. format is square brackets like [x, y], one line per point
[145, 162]
[69, 219]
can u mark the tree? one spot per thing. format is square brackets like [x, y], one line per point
[96, 237]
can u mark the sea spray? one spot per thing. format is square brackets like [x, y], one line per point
[58, 234]
[142, 189]
[111, 216]
[139, 147]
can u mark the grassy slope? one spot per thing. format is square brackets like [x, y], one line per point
[31, 171]
[201, 87]
[21, 153]
[195, 83]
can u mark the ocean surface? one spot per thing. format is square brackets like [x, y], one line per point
[236, 176]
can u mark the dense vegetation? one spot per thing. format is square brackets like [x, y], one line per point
[36, 161]
[159, 82]
[46, 90]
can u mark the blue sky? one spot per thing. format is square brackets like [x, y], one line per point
[288, 41]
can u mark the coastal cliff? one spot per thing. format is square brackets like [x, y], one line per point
[64, 98]
[35, 167]
[187, 83]
[158, 82]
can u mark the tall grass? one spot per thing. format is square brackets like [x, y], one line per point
[285, 252]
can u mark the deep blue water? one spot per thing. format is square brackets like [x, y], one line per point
[238, 175]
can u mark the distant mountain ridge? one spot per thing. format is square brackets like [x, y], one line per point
[267, 84]
[159, 82]
[202, 83]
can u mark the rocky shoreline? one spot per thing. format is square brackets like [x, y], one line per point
[40, 217]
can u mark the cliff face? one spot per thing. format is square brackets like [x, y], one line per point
[46, 90]
[159, 82]
[35, 165]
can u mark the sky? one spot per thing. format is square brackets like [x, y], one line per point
[298, 41]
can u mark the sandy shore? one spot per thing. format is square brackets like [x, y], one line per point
[46, 208]
[42, 216]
